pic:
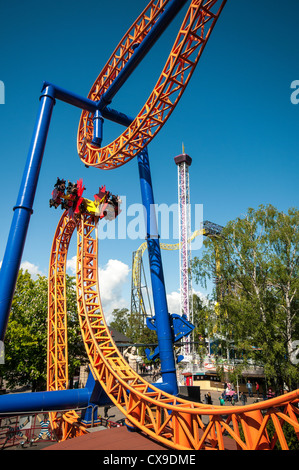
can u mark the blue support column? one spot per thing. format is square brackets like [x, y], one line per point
[23, 208]
[163, 327]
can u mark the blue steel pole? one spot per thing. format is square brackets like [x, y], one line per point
[23, 208]
[73, 99]
[93, 394]
[44, 401]
[162, 318]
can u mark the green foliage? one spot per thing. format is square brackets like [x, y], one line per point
[120, 320]
[26, 335]
[131, 325]
[203, 320]
[255, 264]
[289, 434]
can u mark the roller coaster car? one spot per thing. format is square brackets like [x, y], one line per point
[69, 197]
[106, 205]
[58, 193]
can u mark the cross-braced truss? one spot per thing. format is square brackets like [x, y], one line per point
[177, 423]
[183, 58]
[64, 425]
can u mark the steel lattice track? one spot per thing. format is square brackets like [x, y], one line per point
[191, 40]
[177, 423]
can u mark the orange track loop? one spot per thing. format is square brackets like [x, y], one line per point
[57, 362]
[184, 56]
[57, 377]
[177, 423]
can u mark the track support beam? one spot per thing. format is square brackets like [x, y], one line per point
[164, 333]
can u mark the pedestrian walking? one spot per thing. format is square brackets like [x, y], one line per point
[270, 394]
[222, 402]
[249, 388]
[208, 399]
[45, 428]
[243, 398]
[106, 409]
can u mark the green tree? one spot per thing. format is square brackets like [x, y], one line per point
[26, 336]
[203, 319]
[256, 264]
[120, 320]
[132, 325]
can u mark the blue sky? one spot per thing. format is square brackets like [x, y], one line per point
[236, 118]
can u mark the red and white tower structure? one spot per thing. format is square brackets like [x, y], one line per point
[183, 162]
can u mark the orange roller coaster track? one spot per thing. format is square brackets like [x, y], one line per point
[64, 426]
[174, 422]
[191, 40]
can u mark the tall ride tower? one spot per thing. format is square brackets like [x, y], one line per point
[183, 162]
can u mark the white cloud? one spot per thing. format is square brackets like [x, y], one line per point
[112, 278]
[32, 269]
[71, 264]
[202, 296]
[174, 301]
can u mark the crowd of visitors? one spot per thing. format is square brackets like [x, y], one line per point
[229, 393]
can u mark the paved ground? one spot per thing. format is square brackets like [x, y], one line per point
[110, 439]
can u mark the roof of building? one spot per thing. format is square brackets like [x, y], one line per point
[119, 337]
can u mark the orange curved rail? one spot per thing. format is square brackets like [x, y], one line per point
[64, 425]
[191, 40]
[177, 423]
